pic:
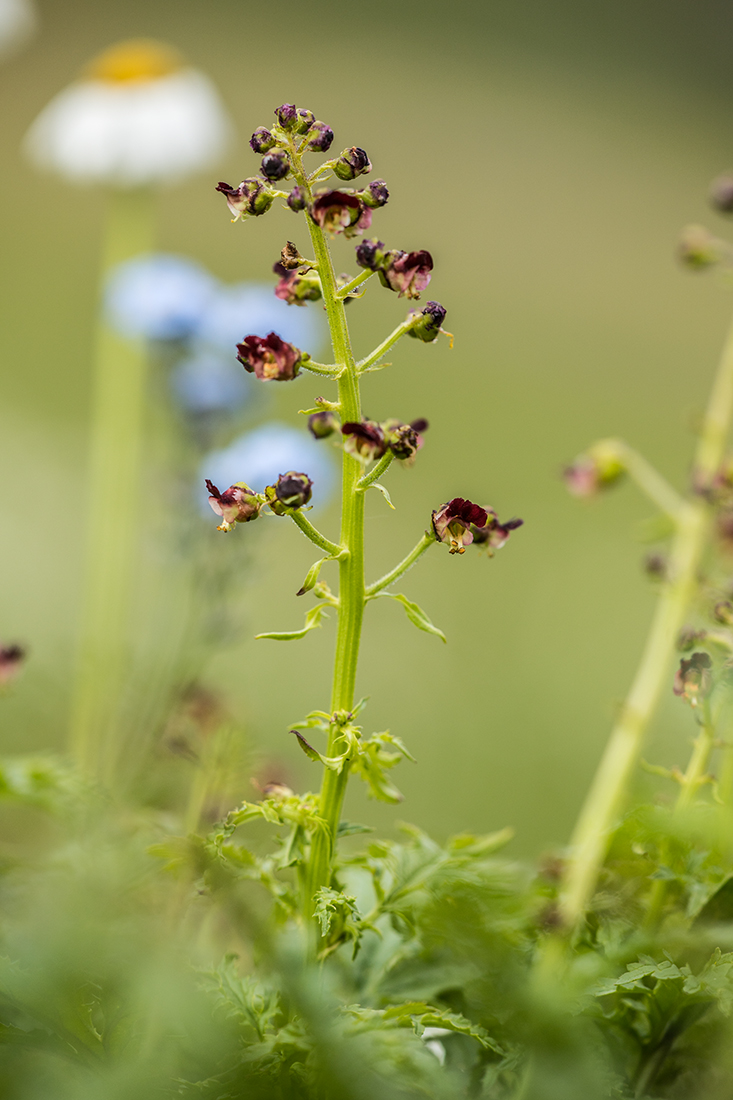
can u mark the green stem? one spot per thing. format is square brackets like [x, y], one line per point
[355, 282]
[607, 793]
[315, 536]
[374, 475]
[367, 364]
[118, 392]
[426, 541]
[650, 481]
[320, 368]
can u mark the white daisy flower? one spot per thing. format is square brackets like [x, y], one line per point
[17, 22]
[138, 117]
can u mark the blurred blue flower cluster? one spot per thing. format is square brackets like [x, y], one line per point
[170, 298]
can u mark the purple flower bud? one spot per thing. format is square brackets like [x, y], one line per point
[291, 490]
[721, 193]
[494, 534]
[320, 137]
[262, 140]
[693, 678]
[287, 116]
[269, 357]
[296, 200]
[429, 322]
[251, 197]
[237, 504]
[453, 522]
[408, 273]
[353, 162]
[337, 211]
[297, 289]
[12, 658]
[365, 441]
[376, 194]
[275, 165]
[370, 254]
[404, 442]
[322, 424]
[306, 119]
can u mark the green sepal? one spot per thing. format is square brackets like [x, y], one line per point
[312, 575]
[312, 620]
[383, 491]
[415, 614]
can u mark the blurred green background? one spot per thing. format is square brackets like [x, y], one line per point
[547, 154]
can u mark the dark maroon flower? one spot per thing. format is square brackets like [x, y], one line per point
[336, 211]
[296, 200]
[494, 534]
[353, 162]
[322, 424]
[721, 193]
[251, 197]
[428, 323]
[275, 165]
[12, 658]
[320, 137]
[376, 194]
[262, 140]
[297, 289]
[305, 120]
[370, 254]
[365, 441]
[237, 504]
[453, 522]
[287, 116]
[291, 490]
[406, 272]
[693, 678]
[269, 357]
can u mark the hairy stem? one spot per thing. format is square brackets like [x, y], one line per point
[605, 798]
[367, 364]
[374, 475]
[315, 536]
[425, 542]
[355, 282]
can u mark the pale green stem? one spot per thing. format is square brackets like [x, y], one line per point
[607, 793]
[374, 475]
[368, 363]
[314, 535]
[425, 542]
[118, 392]
[355, 282]
[320, 368]
[650, 481]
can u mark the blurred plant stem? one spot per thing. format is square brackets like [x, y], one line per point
[118, 390]
[589, 842]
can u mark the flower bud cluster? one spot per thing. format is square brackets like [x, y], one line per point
[460, 522]
[407, 273]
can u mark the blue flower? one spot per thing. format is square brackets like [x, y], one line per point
[207, 382]
[258, 458]
[252, 309]
[161, 296]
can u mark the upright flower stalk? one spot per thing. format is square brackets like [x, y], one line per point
[331, 213]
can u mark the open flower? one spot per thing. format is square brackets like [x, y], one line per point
[296, 289]
[365, 441]
[251, 197]
[139, 116]
[237, 504]
[453, 523]
[340, 212]
[269, 357]
[406, 272]
[494, 534]
[693, 678]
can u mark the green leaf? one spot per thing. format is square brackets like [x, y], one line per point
[383, 490]
[307, 748]
[312, 575]
[337, 910]
[312, 620]
[415, 614]
[351, 828]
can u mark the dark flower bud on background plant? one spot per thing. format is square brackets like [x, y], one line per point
[304, 121]
[370, 254]
[269, 357]
[336, 211]
[493, 535]
[428, 323]
[721, 193]
[699, 249]
[322, 424]
[296, 200]
[365, 441]
[296, 289]
[237, 504]
[408, 273]
[655, 566]
[12, 658]
[597, 469]
[375, 195]
[251, 197]
[689, 637]
[287, 116]
[262, 140]
[291, 490]
[723, 612]
[453, 522]
[320, 137]
[693, 679]
[275, 165]
[353, 162]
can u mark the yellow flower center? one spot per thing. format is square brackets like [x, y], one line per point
[134, 61]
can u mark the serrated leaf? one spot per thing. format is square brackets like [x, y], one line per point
[383, 490]
[415, 614]
[312, 620]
